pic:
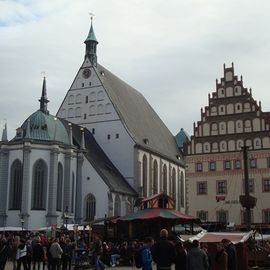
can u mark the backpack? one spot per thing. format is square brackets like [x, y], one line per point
[138, 258]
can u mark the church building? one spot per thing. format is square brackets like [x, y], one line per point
[105, 148]
[126, 127]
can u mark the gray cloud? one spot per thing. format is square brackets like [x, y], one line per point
[171, 51]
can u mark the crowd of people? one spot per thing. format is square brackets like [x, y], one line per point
[38, 252]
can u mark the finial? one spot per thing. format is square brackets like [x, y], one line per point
[232, 65]
[82, 140]
[241, 78]
[4, 134]
[224, 66]
[250, 91]
[70, 134]
[28, 133]
[44, 100]
[91, 16]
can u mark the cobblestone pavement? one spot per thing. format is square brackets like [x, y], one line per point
[9, 267]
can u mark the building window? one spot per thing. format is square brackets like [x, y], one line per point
[15, 195]
[89, 83]
[82, 84]
[86, 99]
[59, 188]
[108, 136]
[201, 188]
[227, 164]
[93, 131]
[199, 167]
[90, 207]
[266, 215]
[39, 185]
[237, 164]
[202, 215]
[117, 206]
[253, 163]
[117, 135]
[144, 176]
[268, 162]
[244, 216]
[221, 187]
[84, 116]
[72, 192]
[165, 180]
[222, 216]
[212, 165]
[250, 185]
[155, 178]
[266, 185]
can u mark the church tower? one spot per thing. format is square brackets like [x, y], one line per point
[91, 45]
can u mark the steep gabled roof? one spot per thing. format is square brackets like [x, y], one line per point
[142, 122]
[101, 163]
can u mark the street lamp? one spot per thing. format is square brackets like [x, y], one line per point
[22, 221]
[66, 216]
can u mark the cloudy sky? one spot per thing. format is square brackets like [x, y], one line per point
[172, 51]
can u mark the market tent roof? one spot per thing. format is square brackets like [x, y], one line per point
[11, 229]
[211, 237]
[158, 214]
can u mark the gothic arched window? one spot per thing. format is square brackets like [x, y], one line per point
[39, 185]
[117, 206]
[182, 190]
[165, 184]
[155, 178]
[59, 187]
[72, 192]
[15, 195]
[90, 207]
[144, 175]
[173, 185]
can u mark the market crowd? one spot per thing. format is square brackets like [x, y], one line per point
[38, 252]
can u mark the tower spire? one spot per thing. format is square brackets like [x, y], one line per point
[91, 45]
[4, 134]
[44, 100]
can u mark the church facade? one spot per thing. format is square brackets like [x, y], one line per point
[105, 147]
[126, 127]
[214, 156]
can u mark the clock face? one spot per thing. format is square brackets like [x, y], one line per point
[87, 73]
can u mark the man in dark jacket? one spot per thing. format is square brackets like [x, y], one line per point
[164, 252]
[4, 252]
[231, 251]
[197, 258]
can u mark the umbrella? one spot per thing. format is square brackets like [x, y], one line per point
[158, 214]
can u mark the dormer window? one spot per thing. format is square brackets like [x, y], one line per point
[146, 141]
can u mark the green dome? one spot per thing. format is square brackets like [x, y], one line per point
[46, 127]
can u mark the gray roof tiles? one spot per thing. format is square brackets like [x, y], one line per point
[142, 122]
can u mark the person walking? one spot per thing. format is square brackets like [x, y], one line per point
[38, 254]
[97, 251]
[221, 258]
[56, 254]
[145, 250]
[197, 258]
[232, 255]
[4, 253]
[181, 256]
[163, 252]
[21, 255]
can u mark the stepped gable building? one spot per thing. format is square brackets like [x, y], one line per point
[126, 127]
[215, 176]
[52, 168]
